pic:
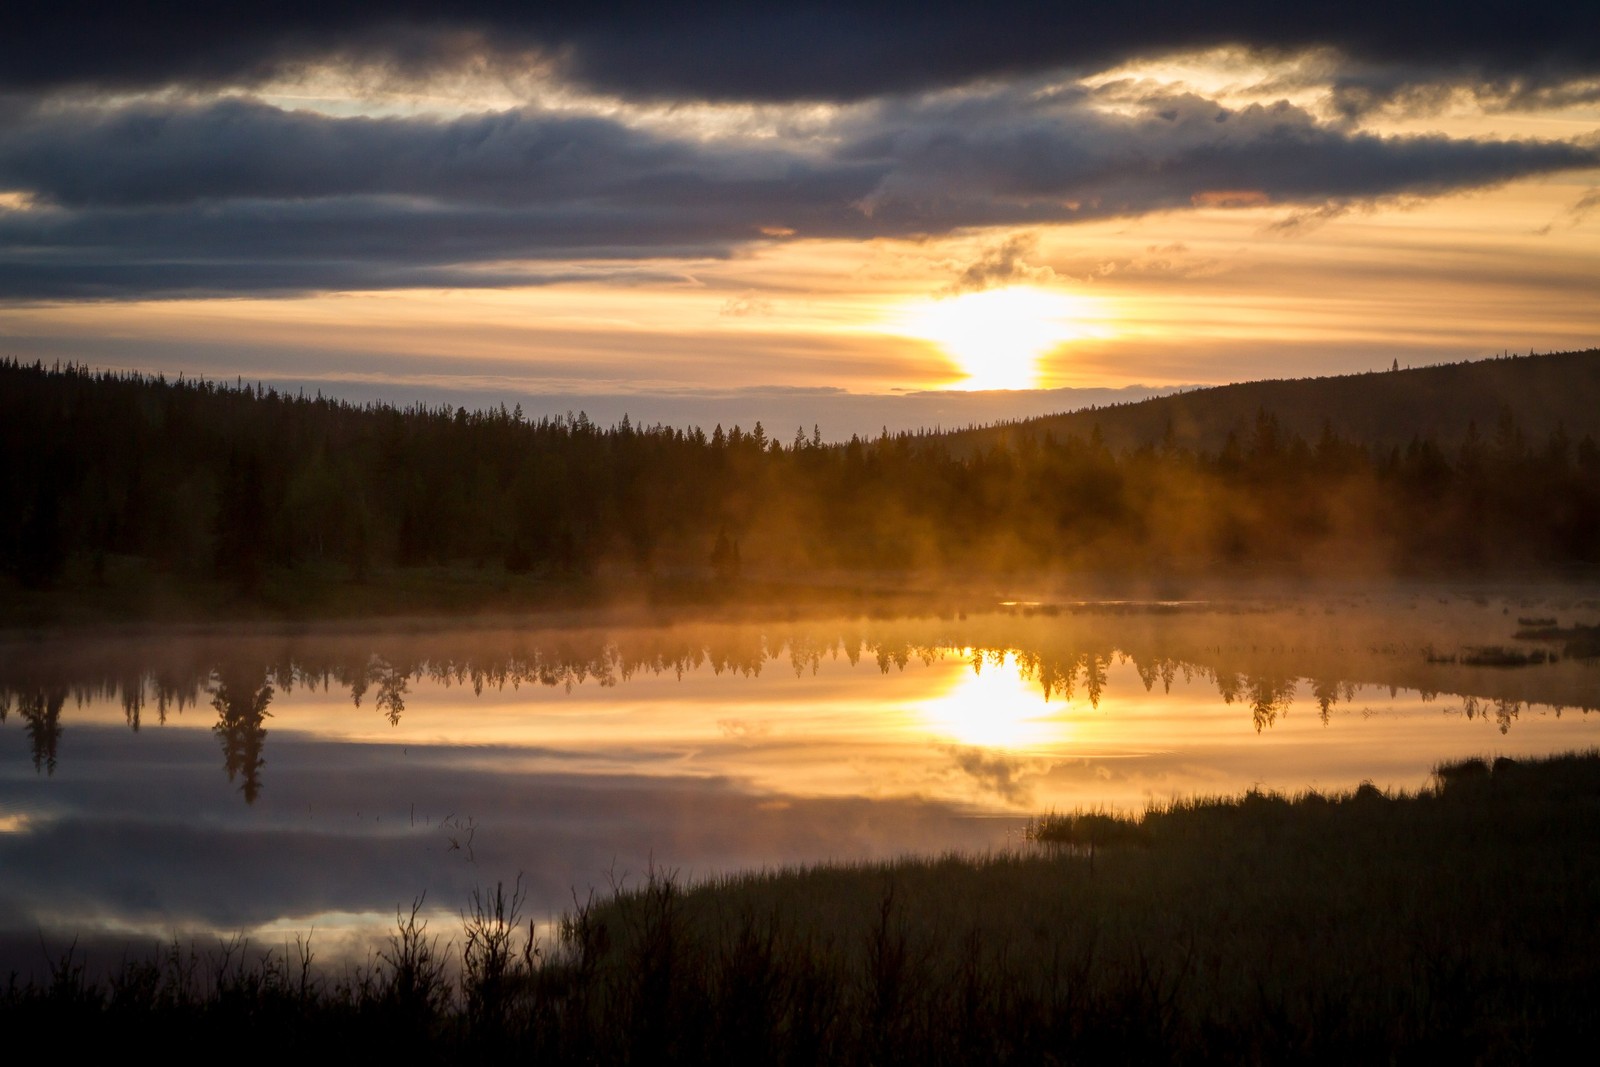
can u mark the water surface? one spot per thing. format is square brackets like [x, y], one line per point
[214, 783]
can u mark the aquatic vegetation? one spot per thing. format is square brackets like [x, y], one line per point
[1451, 922]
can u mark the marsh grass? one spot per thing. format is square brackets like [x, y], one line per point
[1455, 923]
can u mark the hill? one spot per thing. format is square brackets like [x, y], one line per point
[127, 489]
[1380, 410]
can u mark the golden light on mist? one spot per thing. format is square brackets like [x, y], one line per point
[997, 337]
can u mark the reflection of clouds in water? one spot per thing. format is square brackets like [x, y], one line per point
[995, 773]
[574, 755]
[360, 829]
[740, 729]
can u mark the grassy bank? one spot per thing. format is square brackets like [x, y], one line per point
[1457, 923]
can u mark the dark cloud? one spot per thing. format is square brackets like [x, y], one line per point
[1003, 264]
[237, 149]
[1010, 158]
[238, 196]
[822, 49]
[1410, 90]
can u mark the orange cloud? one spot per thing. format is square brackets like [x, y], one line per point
[1230, 198]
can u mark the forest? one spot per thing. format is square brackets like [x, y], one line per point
[243, 485]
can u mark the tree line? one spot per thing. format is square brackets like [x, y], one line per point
[241, 482]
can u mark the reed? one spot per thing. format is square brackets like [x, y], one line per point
[1455, 922]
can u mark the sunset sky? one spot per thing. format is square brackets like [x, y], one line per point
[844, 214]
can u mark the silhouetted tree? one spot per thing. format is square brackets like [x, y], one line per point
[725, 557]
[241, 523]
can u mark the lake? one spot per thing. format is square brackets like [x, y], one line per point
[212, 783]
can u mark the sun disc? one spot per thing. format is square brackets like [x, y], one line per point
[996, 337]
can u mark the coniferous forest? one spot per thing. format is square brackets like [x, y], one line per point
[244, 485]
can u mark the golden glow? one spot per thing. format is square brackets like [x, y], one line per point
[1231, 76]
[996, 708]
[997, 337]
[934, 730]
[1206, 295]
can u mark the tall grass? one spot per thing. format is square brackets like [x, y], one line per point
[1458, 923]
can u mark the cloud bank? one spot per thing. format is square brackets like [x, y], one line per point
[146, 153]
[726, 50]
[220, 196]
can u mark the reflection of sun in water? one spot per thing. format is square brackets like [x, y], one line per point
[996, 709]
[997, 336]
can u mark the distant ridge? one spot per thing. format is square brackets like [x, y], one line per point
[1379, 409]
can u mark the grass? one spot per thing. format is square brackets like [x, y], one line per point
[1458, 923]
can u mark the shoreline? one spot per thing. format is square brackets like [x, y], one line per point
[1260, 925]
[464, 596]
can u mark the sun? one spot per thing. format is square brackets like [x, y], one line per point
[997, 337]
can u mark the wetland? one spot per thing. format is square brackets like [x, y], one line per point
[263, 782]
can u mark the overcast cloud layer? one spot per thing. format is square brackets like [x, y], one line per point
[733, 49]
[189, 192]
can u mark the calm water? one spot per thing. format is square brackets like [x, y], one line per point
[196, 784]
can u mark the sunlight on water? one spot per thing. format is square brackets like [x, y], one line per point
[269, 784]
[995, 707]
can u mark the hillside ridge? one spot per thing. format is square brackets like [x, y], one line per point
[1385, 409]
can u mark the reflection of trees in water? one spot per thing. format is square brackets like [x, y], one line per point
[391, 685]
[1327, 692]
[132, 686]
[1269, 696]
[1059, 674]
[241, 705]
[806, 654]
[41, 718]
[1163, 670]
[173, 690]
[1503, 711]
[1067, 658]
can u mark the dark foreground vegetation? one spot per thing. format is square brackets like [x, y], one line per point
[1458, 924]
[140, 486]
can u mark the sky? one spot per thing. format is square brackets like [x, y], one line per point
[841, 215]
